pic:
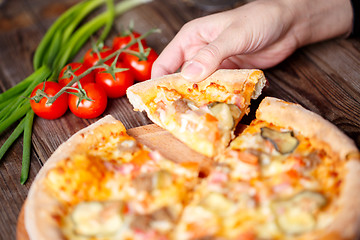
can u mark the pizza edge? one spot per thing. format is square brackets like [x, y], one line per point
[312, 125]
[39, 205]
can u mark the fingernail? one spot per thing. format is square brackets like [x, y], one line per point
[192, 70]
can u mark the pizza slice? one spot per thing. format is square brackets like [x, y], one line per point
[202, 115]
[103, 184]
[289, 175]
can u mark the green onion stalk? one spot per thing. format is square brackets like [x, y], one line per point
[60, 44]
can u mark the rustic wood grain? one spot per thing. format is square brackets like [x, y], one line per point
[324, 78]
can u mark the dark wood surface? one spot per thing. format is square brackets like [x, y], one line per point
[323, 77]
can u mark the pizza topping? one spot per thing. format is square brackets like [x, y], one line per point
[143, 182]
[223, 114]
[296, 215]
[218, 177]
[310, 200]
[235, 111]
[150, 181]
[244, 165]
[284, 142]
[181, 106]
[128, 145]
[294, 221]
[98, 219]
[312, 160]
[161, 220]
[162, 179]
[217, 203]
[197, 222]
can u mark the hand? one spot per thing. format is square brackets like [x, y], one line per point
[260, 34]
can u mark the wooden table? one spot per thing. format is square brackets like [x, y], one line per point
[324, 78]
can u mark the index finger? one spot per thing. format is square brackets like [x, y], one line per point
[169, 60]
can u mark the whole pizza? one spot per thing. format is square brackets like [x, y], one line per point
[290, 174]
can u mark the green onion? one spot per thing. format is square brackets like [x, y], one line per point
[75, 22]
[14, 117]
[109, 23]
[15, 90]
[15, 134]
[25, 166]
[11, 109]
[45, 42]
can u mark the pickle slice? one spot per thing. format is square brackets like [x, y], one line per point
[284, 142]
[223, 113]
[295, 216]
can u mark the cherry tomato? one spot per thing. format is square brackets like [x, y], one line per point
[81, 68]
[91, 58]
[122, 40]
[115, 88]
[140, 69]
[86, 108]
[55, 110]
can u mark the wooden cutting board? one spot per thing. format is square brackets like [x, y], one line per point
[155, 138]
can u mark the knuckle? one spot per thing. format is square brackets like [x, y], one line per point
[211, 51]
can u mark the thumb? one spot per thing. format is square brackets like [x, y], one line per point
[208, 59]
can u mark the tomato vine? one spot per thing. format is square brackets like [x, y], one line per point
[61, 43]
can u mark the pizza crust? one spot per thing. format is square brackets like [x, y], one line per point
[40, 206]
[309, 124]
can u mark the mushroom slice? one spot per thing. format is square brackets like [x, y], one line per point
[97, 219]
[295, 216]
[284, 142]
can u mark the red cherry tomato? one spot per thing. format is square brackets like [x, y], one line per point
[86, 108]
[121, 41]
[81, 68]
[115, 88]
[55, 110]
[140, 69]
[91, 58]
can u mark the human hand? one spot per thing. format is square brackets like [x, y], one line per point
[260, 34]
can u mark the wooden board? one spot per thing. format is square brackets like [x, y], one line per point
[155, 138]
[323, 77]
